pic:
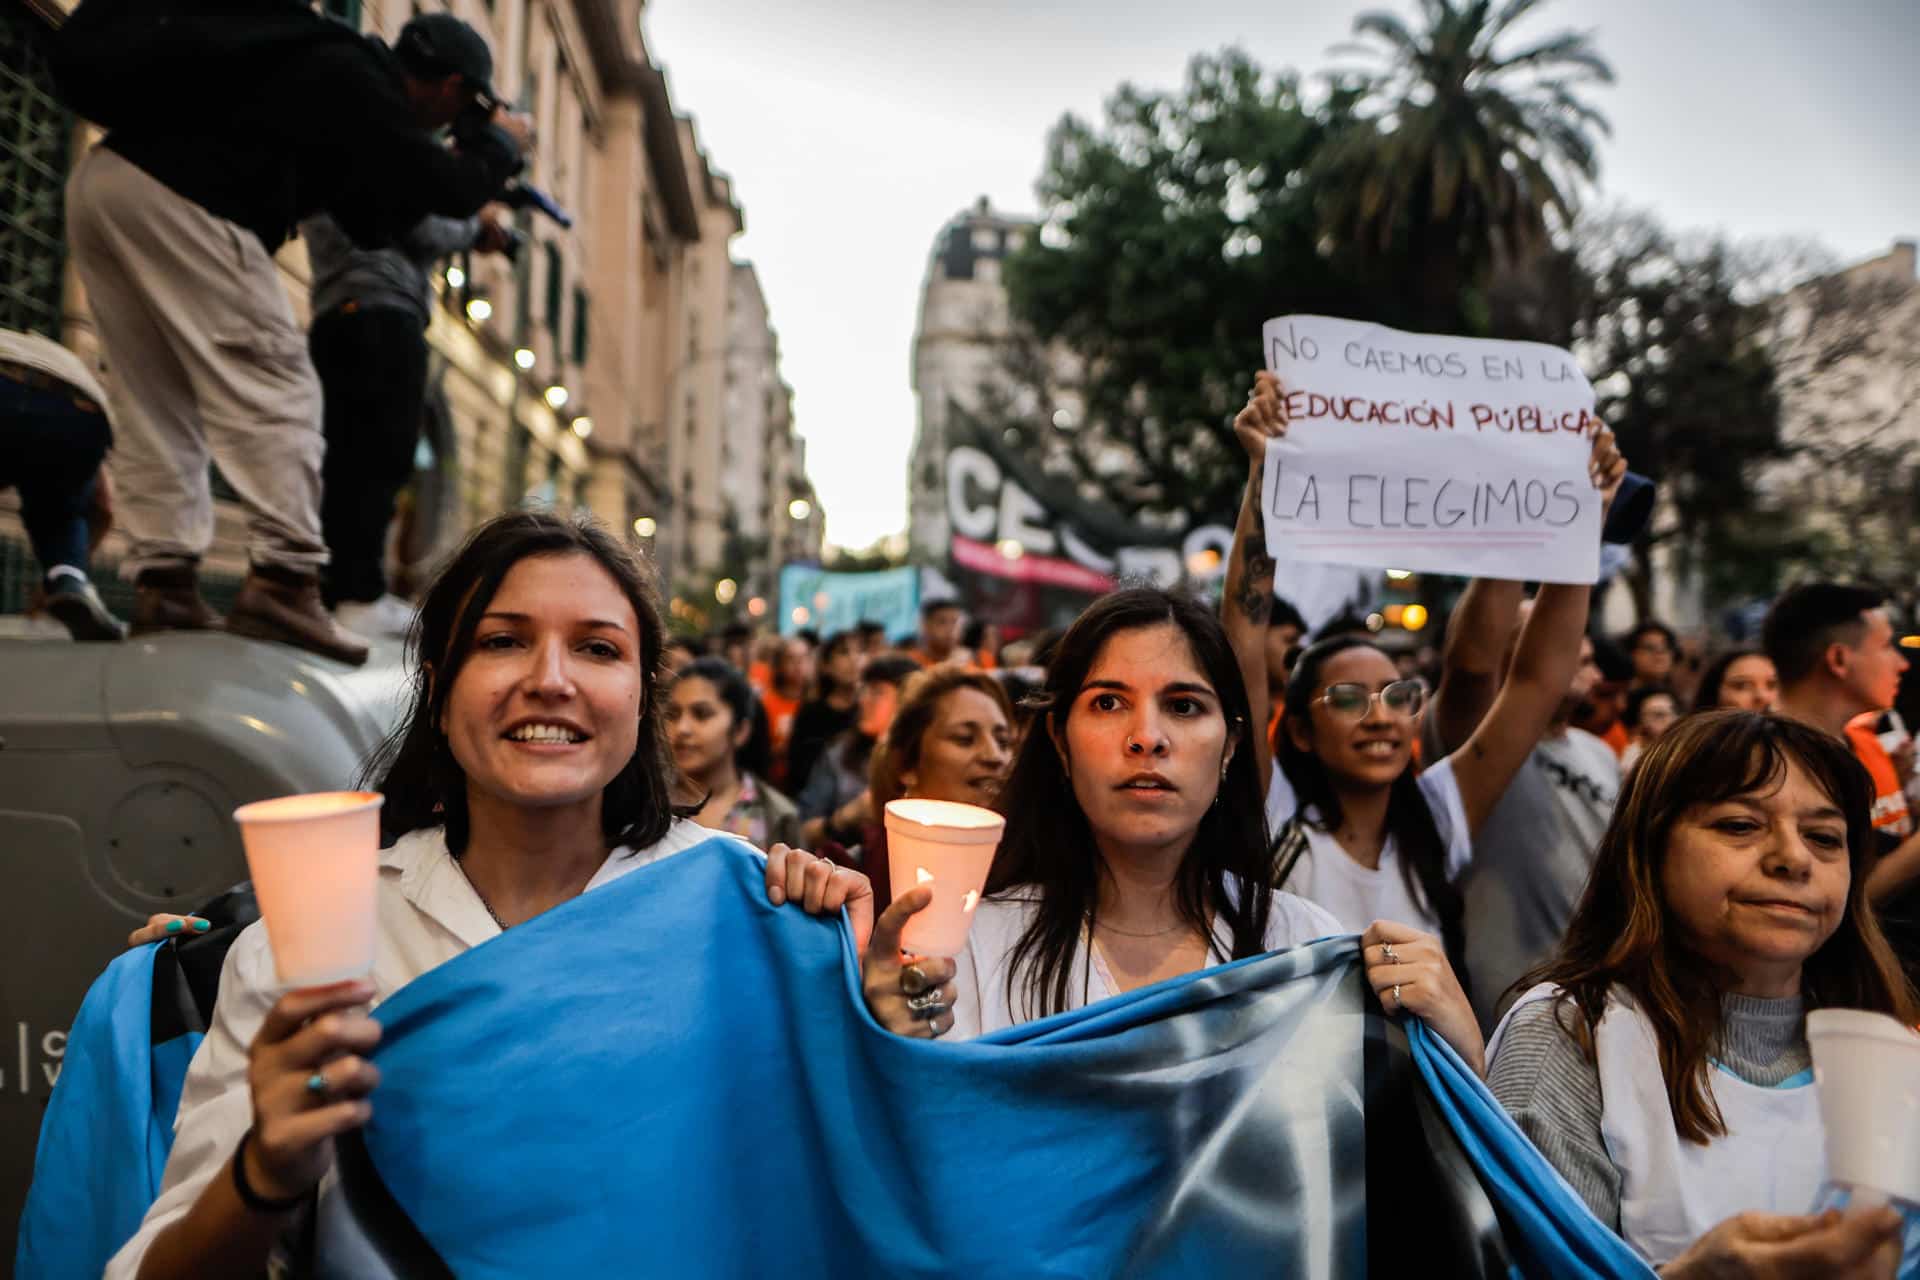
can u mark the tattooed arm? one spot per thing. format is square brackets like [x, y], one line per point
[1246, 604]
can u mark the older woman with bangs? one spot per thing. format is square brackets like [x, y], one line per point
[1660, 1059]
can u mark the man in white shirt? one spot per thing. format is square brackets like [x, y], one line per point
[1532, 856]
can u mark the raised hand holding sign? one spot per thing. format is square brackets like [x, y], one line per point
[1445, 455]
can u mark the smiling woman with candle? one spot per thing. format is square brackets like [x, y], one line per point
[1660, 1059]
[529, 769]
[949, 740]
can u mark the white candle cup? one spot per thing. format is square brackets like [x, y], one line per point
[315, 862]
[949, 848]
[1867, 1068]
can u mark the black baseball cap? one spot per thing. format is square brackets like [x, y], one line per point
[441, 42]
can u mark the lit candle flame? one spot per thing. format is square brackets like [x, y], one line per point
[922, 876]
[973, 900]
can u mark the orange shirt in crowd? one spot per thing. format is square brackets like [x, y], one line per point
[1617, 737]
[760, 676]
[1891, 817]
[780, 713]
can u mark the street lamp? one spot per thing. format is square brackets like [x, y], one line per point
[645, 526]
[799, 509]
[556, 396]
[756, 606]
[456, 278]
[725, 589]
[1010, 548]
[583, 426]
[479, 310]
[524, 357]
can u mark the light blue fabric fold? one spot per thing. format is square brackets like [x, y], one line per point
[1548, 1224]
[107, 1131]
[670, 1069]
[670, 1076]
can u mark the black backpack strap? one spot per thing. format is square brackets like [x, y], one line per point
[1289, 844]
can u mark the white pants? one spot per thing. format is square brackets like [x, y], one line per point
[205, 362]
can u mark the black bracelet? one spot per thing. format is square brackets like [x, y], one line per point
[248, 1196]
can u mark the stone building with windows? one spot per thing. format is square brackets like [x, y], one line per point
[964, 319]
[587, 373]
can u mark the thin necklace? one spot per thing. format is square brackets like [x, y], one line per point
[1128, 933]
[485, 905]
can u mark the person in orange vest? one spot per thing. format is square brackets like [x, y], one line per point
[1833, 646]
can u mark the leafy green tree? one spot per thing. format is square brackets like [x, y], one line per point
[1684, 371]
[1462, 149]
[1168, 236]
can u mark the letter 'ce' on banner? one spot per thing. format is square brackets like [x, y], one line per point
[1443, 455]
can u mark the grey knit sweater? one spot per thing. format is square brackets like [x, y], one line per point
[1552, 1089]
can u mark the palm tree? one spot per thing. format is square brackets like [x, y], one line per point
[1458, 157]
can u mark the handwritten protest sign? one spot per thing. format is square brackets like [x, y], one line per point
[1445, 455]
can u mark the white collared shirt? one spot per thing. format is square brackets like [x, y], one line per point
[429, 913]
[982, 1002]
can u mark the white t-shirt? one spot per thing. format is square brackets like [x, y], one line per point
[429, 913]
[981, 1003]
[1356, 896]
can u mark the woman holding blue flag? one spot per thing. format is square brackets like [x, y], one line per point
[1660, 1059]
[530, 769]
[1136, 847]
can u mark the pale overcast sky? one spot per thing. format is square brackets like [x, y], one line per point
[854, 129]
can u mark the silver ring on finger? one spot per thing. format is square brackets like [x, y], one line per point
[1386, 953]
[1398, 1003]
[828, 864]
[924, 1001]
[317, 1084]
[934, 1029]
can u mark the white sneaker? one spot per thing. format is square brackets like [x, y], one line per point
[389, 617]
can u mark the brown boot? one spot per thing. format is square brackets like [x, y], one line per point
[280, 604]
[169, 600]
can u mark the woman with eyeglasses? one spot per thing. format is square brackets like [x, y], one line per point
[1358, 831]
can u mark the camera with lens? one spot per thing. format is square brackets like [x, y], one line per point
[517, 193]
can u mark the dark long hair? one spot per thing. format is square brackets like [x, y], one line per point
[1623, 934]
[737, 696]
[1707, 696]
[1049, 845]
[1410, 824]
[415, 769]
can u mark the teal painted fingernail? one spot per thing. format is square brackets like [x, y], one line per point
[173, 926]
[201, 926]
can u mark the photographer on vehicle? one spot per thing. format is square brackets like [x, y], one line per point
[173, 221]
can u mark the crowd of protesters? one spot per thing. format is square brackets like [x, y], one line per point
[1612, 878]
